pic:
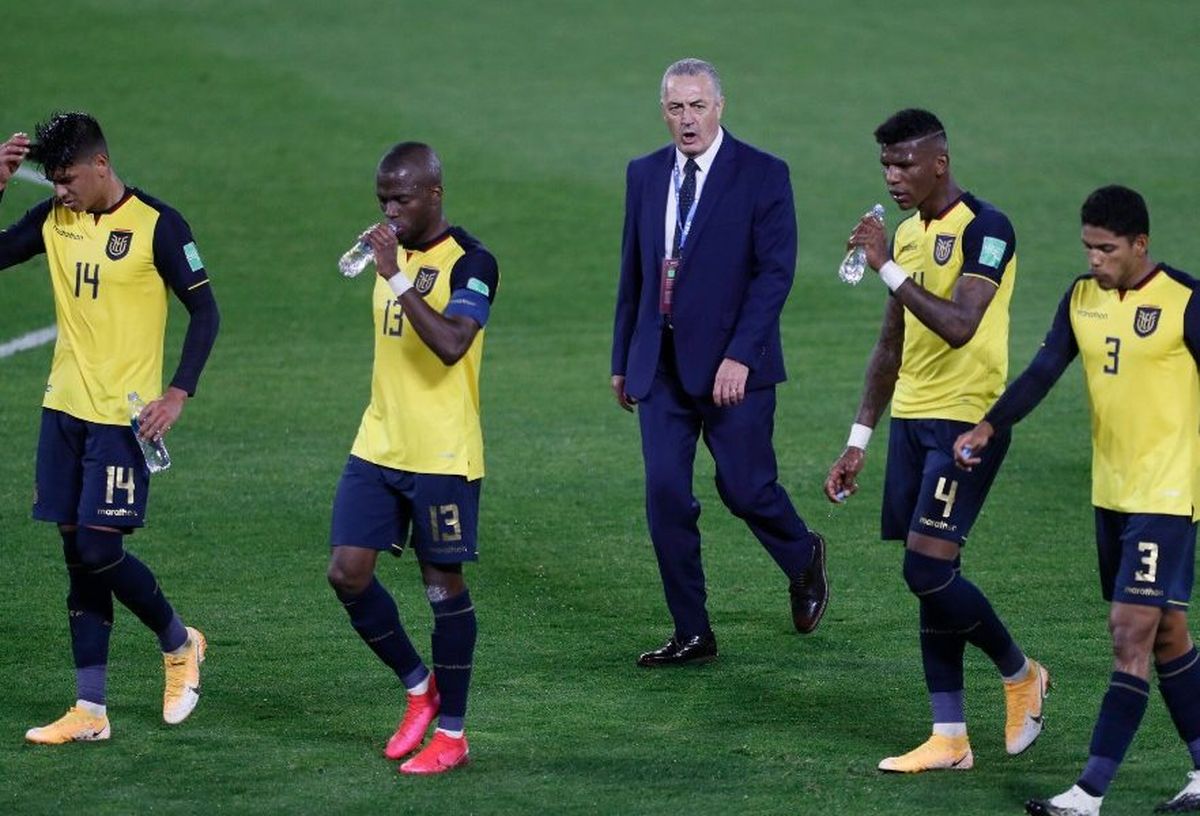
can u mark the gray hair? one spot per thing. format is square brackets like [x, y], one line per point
[691, 67]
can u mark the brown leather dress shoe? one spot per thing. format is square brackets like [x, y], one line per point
[810, 591]
[696, 649]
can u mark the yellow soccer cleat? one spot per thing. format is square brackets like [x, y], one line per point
[182, 690]
[936, 753]
[76, 725]
[1023, 703]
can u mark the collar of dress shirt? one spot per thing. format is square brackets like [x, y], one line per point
[705, 159]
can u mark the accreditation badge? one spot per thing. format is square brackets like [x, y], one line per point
[666, 286]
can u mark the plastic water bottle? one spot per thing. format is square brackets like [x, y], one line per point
[357, 258]
[854, 265]
[154, 451]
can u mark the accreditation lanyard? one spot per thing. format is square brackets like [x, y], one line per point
[670, 266]
[684, 222]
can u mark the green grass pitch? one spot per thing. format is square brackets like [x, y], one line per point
[262, 122]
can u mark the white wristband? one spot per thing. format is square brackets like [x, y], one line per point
[399, 283]
[860, 435]
[892, 274]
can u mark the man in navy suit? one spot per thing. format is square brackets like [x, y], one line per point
[707, 260]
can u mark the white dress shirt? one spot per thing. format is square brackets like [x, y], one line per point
[704, 163]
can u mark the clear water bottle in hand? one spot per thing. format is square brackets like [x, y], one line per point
[854, 265]
[357, 258]
[154, 451]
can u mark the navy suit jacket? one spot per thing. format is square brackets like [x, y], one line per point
[737, 269]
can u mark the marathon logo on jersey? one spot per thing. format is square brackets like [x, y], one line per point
[1145, 321]
[943, 248]
[118, 244]
[426, 278]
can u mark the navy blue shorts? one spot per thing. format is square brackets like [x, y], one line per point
[1146, 558]
[924, 491]
[89, 474]
[376, 506]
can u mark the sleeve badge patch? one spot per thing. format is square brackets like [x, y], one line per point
[476, 285]
[193, 256]
[992, 252]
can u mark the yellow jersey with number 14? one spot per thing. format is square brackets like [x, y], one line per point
[109, 272]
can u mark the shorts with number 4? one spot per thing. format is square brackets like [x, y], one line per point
[378, 508]
[89, 474]
[1146, 558]
[924, 491]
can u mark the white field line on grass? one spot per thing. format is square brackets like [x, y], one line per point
[38, 337]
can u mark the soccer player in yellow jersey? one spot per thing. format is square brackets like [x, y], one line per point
[1135, 325]
[416, 466]
[941, 359]
[113, 252]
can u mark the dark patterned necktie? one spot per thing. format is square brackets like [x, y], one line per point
[687, 195]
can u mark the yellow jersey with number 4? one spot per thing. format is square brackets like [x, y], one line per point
[971, 237]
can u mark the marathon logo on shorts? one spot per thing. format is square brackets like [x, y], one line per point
[943, 248]
[1145, 321]
[426, 278]
[118, 244]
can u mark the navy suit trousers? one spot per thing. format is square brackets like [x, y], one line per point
[739, 438]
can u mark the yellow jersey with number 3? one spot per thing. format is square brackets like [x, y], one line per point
[1138, 348]
[971, 237]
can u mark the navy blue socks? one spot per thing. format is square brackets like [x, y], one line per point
[453, 638]
[953, 613]
[1179, 682]
[90, 614]
[131, 581]
[1120, 715]
[374, 616]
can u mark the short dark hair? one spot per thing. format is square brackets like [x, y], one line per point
[416, 155]
[1118, 209]
[68, 138]
[908, 124]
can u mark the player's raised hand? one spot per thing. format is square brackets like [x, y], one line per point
[12, 153]
[382, 239]
[969, 444]
[872, 236]
[842, 481]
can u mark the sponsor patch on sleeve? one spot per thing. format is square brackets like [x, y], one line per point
[992, 252]
[476, 285]
[193, 256]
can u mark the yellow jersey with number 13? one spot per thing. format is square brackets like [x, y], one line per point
[424, 415]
